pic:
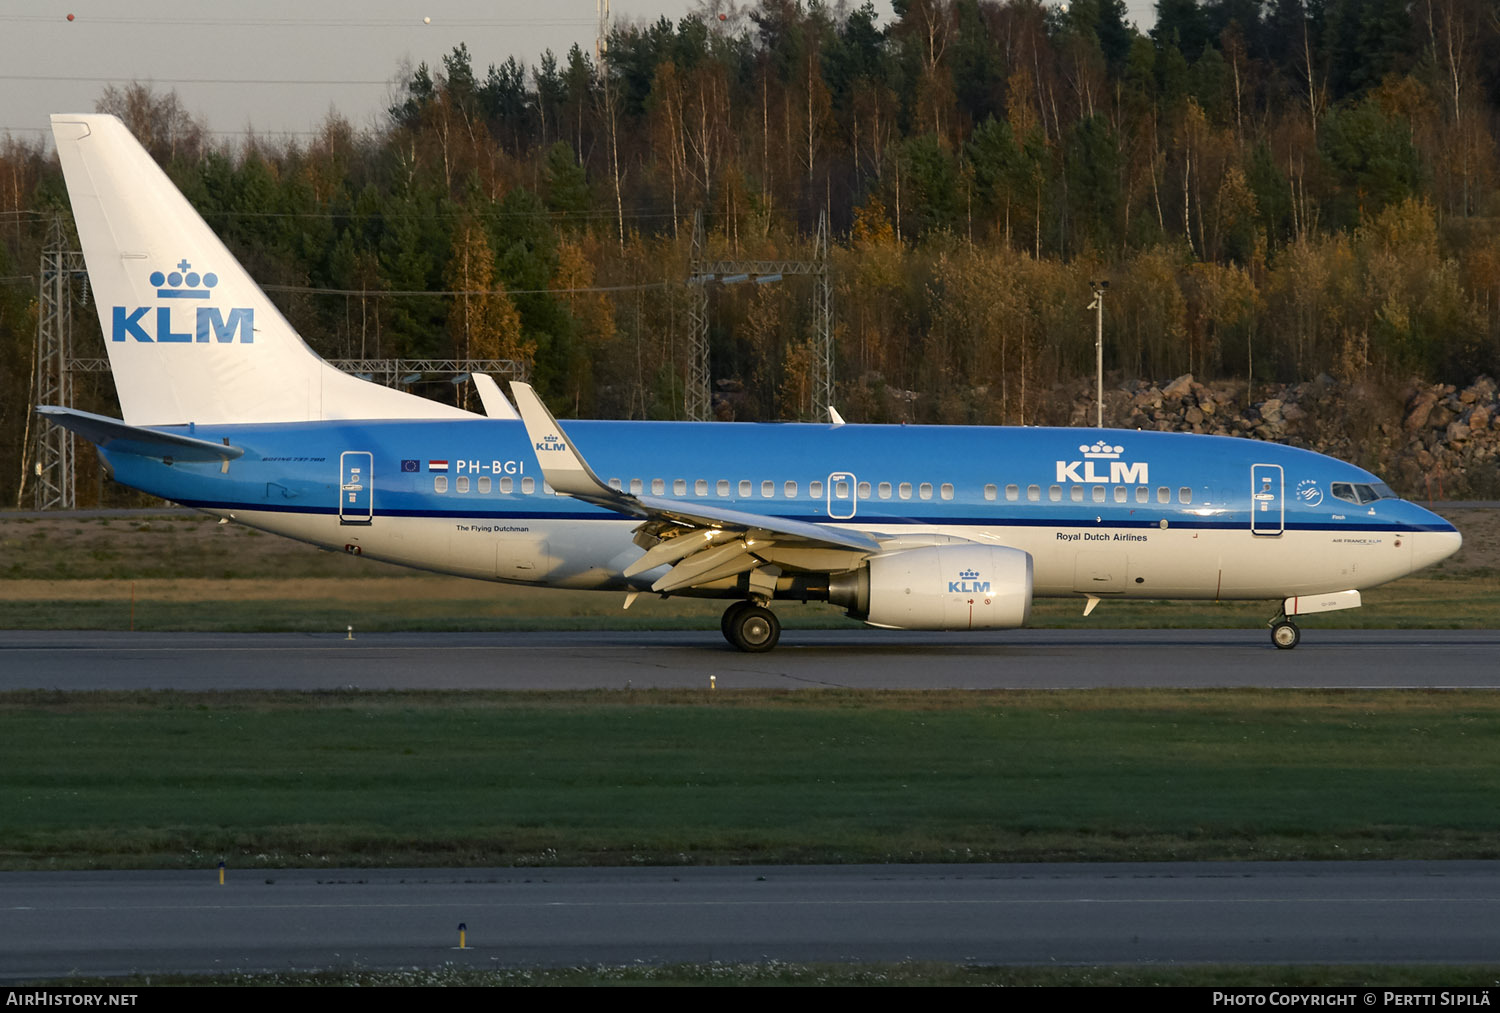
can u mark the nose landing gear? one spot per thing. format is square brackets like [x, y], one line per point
[1284, 633]
[751, 627]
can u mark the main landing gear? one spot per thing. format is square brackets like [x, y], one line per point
[1284, 633]
[750, 626]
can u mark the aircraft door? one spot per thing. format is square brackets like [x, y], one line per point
[1267, 504]
[843, 496]
[356, 489]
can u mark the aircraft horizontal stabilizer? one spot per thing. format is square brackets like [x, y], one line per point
[118, 437]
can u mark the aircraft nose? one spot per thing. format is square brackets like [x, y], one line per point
[1429, 547]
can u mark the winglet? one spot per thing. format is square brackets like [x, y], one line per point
[834, 416]
[495, 405]
[562, 465]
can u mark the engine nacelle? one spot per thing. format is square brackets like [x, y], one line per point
[959, 586]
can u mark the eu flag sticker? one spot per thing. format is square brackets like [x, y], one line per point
[410, 466]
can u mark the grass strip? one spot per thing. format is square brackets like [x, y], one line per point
[451, 604]
[350, 779]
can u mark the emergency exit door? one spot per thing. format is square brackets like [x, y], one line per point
[356, 492]
[1267, 502]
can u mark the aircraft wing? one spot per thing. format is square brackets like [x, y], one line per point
[704, 541]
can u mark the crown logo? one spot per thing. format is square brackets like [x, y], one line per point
[968, 574]
[183, 283]
[1101, 451]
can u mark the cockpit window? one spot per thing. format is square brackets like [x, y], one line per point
[1361, 493]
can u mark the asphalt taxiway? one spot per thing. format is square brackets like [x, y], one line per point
[862, 659]
[109, 923]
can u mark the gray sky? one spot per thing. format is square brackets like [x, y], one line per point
[279, 66]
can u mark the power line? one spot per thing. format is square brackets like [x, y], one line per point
[191, 80]
[351, 23]
[377, 293]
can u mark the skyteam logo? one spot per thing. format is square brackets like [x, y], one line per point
[209, 323]
[968, 582]
[551, 443]
[1094, 457]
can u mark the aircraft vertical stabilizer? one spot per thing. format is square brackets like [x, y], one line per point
[191, 337]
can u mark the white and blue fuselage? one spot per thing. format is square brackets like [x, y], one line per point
[1107, 512]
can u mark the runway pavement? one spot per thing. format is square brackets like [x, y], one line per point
[873, 659]
[108, 923]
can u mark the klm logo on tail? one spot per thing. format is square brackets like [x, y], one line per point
[209, 323]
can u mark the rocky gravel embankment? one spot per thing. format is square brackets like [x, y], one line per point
[1426, 440]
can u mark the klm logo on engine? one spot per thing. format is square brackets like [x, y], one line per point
[164, 326]
[551, 443]
[1119, 472]
[968, 582]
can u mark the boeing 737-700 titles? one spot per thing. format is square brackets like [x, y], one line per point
[910, 527]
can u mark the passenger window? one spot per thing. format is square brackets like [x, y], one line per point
[925, 490]
[790, 488]
[1012, 493]
[905, 490]
[547, 489]
[1142, 494]
[815, 490]
[507, 484]
[440, 483]
[1120, 492]
[991, 491]
[767, 489]
[1054, 493]
[744, 488]
[635, 487]
[528, 485]
[1163, 494]
[700, 487]
[1184, 495]
[484, 485]
[946, 490]
[864, 490]
[462, 485]
[722, 487]
[679, 487]
[658, 487]
[885, 490]
[1033, 494]
[1098, 494]
[1075, 493]
[841, 489]
[616, 485]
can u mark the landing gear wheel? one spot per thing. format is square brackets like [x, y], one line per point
[752, 628]
[1285, 634]
[726, 621]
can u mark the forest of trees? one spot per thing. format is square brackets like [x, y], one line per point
[1275, 189]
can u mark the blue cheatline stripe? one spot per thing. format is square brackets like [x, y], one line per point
[864, 521]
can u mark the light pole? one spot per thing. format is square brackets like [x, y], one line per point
[1099, 287]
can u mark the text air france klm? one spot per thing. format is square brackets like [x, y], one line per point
[1120, 472]
[209, 322]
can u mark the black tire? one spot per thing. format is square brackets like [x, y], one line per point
[726, 621]
[1285, 635]
[753, 629]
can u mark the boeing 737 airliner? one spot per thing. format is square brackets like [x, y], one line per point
[908, 527]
